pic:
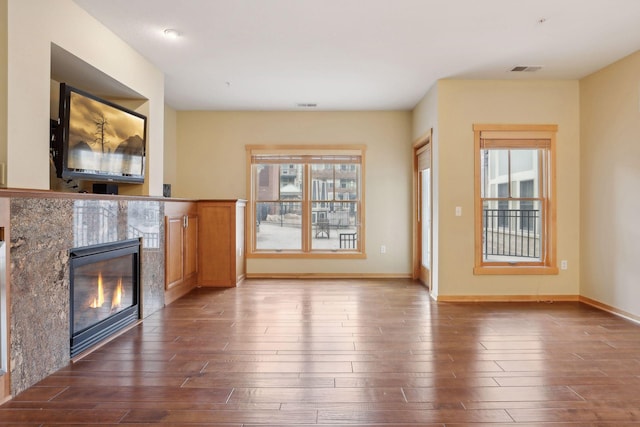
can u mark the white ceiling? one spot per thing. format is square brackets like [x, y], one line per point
[362, 54]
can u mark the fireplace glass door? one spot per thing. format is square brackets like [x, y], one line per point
[101, 289]
[104, 291]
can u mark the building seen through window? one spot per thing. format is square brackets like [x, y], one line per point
[306, 201]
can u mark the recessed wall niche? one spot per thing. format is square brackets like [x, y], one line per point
[68, 68]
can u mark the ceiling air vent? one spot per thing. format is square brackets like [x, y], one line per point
[306, 105]
[526, 68]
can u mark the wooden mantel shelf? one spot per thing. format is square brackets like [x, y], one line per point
[48, 194]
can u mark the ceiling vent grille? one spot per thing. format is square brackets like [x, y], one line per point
[306, 105]
[526, 68]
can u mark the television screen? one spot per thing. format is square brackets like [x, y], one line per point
[101, 141]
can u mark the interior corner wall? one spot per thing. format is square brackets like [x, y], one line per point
[424, 119]
[460, 105]
[33, 25]
[212, 164]
[610, 178]
[170, 146]
[3, 84]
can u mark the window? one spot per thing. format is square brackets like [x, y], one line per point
[306, 201]
[515, 199]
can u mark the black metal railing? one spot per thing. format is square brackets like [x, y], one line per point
[511, 232]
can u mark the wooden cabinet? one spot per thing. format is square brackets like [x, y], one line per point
[221, 242]
[181, 249]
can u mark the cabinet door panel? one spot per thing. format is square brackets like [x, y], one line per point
[216, 245]
[174, 251]
[191, 247]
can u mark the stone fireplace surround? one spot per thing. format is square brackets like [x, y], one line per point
[43, 227]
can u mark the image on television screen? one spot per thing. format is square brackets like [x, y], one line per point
[104, 140]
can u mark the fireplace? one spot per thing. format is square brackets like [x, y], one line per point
[104, 291]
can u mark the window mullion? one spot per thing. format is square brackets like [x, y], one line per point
[306, 208]
[543, 194]
[509, 174]
[543, 232]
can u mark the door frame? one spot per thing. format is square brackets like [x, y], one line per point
[420, 143]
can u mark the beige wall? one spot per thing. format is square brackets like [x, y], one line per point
[3, 84]
[424, 120]
[425, 114]
[460, 105]
[170, 146]
[610, 177]
[211, 164]
[32, 26]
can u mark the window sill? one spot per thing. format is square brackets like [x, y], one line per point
[310, 255]
[515, 270]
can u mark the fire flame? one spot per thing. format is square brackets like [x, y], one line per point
[99, 300]
[116, 301]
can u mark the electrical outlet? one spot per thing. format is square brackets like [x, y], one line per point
[458, 210]
[383, 249]
[564, 264]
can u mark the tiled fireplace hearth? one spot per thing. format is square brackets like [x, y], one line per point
[43, 231]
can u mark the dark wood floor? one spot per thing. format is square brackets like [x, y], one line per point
[349, 353]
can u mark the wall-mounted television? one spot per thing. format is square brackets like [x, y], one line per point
[98, 140]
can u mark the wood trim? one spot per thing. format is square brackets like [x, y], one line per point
[49, 194]
[250, 215]
[508, 298]
[477, 202]
[514, 270]
[423, 139]
[548, 194]
[362, 232]
[552, 209]
[515, 127]
[239, 202]
[302, 148]
[327, 276]
[419, 145]
[610, 309]
[308, 255]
